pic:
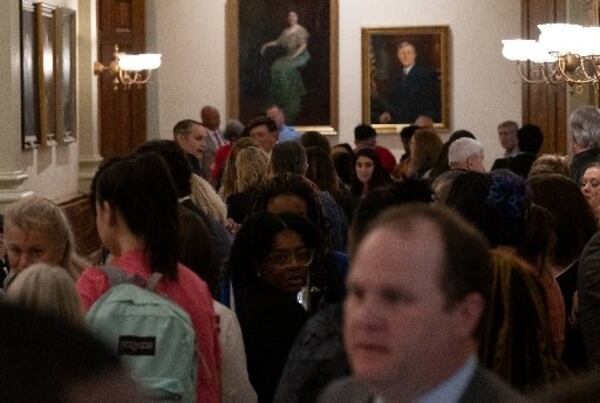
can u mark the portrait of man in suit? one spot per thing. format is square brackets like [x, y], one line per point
[405, 75]
[412, 91]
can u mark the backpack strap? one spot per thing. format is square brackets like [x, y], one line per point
[153, 281]
[115, 275]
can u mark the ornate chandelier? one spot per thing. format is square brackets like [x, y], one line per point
[566, 53]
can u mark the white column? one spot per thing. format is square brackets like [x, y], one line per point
[12, 174]
[87, 94]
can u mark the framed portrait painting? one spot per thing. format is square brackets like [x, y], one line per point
[46, 51]
[284, 52]
[66, 75]
[30, 110]
[405, 75]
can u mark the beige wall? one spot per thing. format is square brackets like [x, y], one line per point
[484, 85]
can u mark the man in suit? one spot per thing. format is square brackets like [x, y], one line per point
[530, 139]
[412, 90]
[211, 119]
[417, 288]
[190, 135]
[584, 130]
[507, 134]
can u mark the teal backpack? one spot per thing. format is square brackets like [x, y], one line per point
[153, 336]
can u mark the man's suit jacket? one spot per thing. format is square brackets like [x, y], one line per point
[519, 164]
[483, 387]
[412, 95]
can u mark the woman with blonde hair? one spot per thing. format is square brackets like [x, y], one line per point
[252, 170]
[425, 146]
[37, 231]
[229, 182]
[47, 289]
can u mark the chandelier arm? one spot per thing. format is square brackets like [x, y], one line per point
[565, 73]
[582, 68]
[523, 76]
[548, 75]
[595, 60]
[145, 79]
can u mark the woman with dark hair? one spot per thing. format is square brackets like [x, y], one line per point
[499, 204]
[136, 217]
[575, 225]
[317, 357]
[370, 174]
[292, 193]
[344, 160]
[273, 261]
[322, 173]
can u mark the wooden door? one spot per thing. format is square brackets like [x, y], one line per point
[122, 112]
[545, 105]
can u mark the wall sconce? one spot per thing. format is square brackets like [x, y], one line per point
[129, 69]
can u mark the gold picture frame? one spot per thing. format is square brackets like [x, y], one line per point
[66, 74]
[46, 63]
[30, 104]
[313, 99]
[394, 94]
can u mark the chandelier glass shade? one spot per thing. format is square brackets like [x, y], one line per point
[563, 53]
[130, 69]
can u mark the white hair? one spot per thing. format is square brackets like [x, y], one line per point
[584, 125]
[462, 149]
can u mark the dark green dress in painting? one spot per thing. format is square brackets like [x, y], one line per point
[287, 86]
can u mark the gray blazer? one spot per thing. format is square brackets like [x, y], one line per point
[484, 387]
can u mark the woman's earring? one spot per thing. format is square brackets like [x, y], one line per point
[258, 273]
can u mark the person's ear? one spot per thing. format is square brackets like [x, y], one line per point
[469, 313]
[107, 211]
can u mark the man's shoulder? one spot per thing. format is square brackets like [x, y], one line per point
[486, 386]
[288, 133]
[346, 390]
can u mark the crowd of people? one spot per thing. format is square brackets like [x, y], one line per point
[243, 265]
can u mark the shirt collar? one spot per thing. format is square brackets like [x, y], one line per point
[452, 389]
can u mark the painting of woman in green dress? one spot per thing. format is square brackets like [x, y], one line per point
[287, 85]
[285, 53]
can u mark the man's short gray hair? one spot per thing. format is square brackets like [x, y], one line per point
[462, 149]
[584, 125]
[509, 124]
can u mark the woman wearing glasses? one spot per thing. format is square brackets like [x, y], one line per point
[273, 264]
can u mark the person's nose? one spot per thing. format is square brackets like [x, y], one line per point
[368, 315]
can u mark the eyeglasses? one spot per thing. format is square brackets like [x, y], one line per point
[302, 257]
